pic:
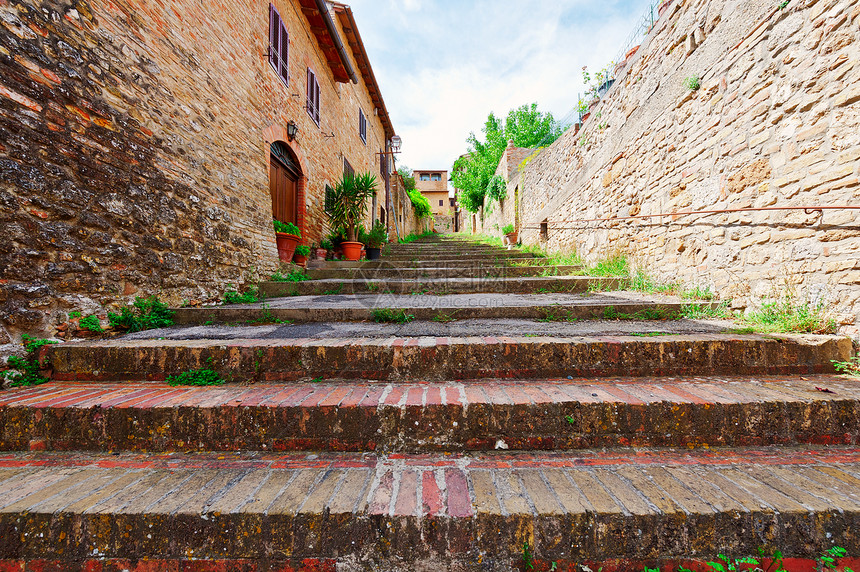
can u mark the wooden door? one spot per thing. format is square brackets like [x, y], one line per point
[283, 184]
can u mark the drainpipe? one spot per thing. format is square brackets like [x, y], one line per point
[322, 6]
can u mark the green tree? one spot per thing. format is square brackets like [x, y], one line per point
[408, 179]
[473, 172]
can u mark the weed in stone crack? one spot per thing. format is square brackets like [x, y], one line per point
[333, 291]
[570, 419]
[145, 314]
[556, 314]
[528, 558]
[373, 286]
[615, 265]
[267, 317]
[830, 558]
[91, 323]
[850, 367]
[390, 315]
[294, 276]
[196, 377]
[698, 293]
[704, 311]
[693, 83]
[652, 334]
[745, 330]
[317, 380]
[26, 370]
[250, 296]
[442, 317]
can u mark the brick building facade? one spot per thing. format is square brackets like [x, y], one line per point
[136, 144]
[434, 186]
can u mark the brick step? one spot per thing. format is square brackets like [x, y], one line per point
[431, 417]
[441, 308]
[429, 512]
[517, 285]
[383, 352]
[431, 270]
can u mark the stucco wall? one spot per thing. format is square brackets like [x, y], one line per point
[776, 122]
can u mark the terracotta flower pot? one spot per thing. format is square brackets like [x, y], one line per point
[286, 245]
[300, 260]
[321, 253]
[351, 250]
[511, 238]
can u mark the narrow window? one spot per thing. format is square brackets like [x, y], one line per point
[279, 45]
[362, 126]
[544, 230]
[329, 199]
[348, 171]
[441, 203]
[313, 97]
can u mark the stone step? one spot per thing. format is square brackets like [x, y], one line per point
[464, 512]
[567, 307]
[441, 286]
[434, 417]
[444, 263]
[432, 258]
[387, 352]
[431, 270]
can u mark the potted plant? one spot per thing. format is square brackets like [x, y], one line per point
[375, 239]
[301, 255]
[336, 238]
[347, 209]
[287, 236]
[510, 234]
[324, 248]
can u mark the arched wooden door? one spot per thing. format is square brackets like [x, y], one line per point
[284, 176]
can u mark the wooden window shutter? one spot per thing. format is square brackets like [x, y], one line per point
[284, 53]
[274, 52]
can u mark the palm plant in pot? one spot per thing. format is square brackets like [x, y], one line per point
[348, 207]
[375, 239]
[287, 237]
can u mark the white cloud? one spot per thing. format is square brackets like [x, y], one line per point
[443, 65]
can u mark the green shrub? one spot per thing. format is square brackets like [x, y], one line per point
[197, 377]
[248, 297]
[287, 227]
[420, 204]
[145, 314]
[25, 370]
[508, 229]
[302, 250]
[91, 323]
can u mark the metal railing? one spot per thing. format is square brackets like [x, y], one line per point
[806, 209]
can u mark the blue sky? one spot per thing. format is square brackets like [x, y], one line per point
[443, 65]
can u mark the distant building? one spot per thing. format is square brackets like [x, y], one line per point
[434, 186]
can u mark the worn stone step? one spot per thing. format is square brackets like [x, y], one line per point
[430, 270]
[383, 352]
[568, 307]
[444, 263]
[434, 417]
[439, 286]
[428, 512]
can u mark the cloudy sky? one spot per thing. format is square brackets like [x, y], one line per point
[443, 65]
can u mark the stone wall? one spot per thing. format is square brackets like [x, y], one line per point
[134, 149]
[775, 123]
[496, 214]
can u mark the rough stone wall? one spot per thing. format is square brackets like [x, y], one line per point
[134, 149]
[776, 122]
[497, 214]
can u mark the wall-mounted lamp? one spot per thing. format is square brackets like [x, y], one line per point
[394, 143]
[292, 130]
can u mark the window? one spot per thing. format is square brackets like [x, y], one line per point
[329, 199]
[313, 97]
[362, 126]
[348, 171]
[425, 176]
[279, 45]
[441, 203]
[436, 177]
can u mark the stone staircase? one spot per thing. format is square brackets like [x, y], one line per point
[503, 425]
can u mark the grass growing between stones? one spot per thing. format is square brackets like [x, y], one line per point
[25, 370]
[850, 367]
[390, 315]
[415, 236]
[250, 296]
[789, 315]
[556, 315]
[196, 377]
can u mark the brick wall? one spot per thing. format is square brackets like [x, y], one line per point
[775, 123]
[134, 146]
